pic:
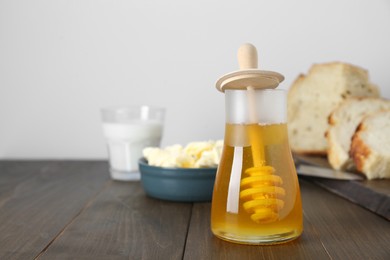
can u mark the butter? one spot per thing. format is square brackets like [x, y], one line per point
[193, 155]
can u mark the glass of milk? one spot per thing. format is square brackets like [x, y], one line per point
[128, 130]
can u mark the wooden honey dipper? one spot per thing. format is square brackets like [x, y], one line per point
[260, 188]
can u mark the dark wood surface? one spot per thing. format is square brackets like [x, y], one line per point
[72, 210]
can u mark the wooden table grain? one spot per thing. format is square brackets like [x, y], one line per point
[73, 210]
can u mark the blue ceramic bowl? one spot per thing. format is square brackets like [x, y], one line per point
[177, 184]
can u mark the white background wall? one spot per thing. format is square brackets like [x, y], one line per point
[60, 61]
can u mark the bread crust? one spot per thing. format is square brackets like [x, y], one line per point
[359, 151]
[370, 148]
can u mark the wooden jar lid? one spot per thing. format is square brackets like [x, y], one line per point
[249, 76]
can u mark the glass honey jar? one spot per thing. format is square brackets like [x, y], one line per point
[256, 198]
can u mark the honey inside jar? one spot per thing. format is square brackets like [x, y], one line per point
[274, 214]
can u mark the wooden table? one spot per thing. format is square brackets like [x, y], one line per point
[72, 210]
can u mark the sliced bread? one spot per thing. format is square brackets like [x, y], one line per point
[343, 122]
[370, 147]
[314, 96]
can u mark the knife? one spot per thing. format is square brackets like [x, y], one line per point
[316, 171]
[316, 167]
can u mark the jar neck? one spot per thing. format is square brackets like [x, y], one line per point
[261, 106]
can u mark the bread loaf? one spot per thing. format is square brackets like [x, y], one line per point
[370, 148]
[343, 123]
[314, 96]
